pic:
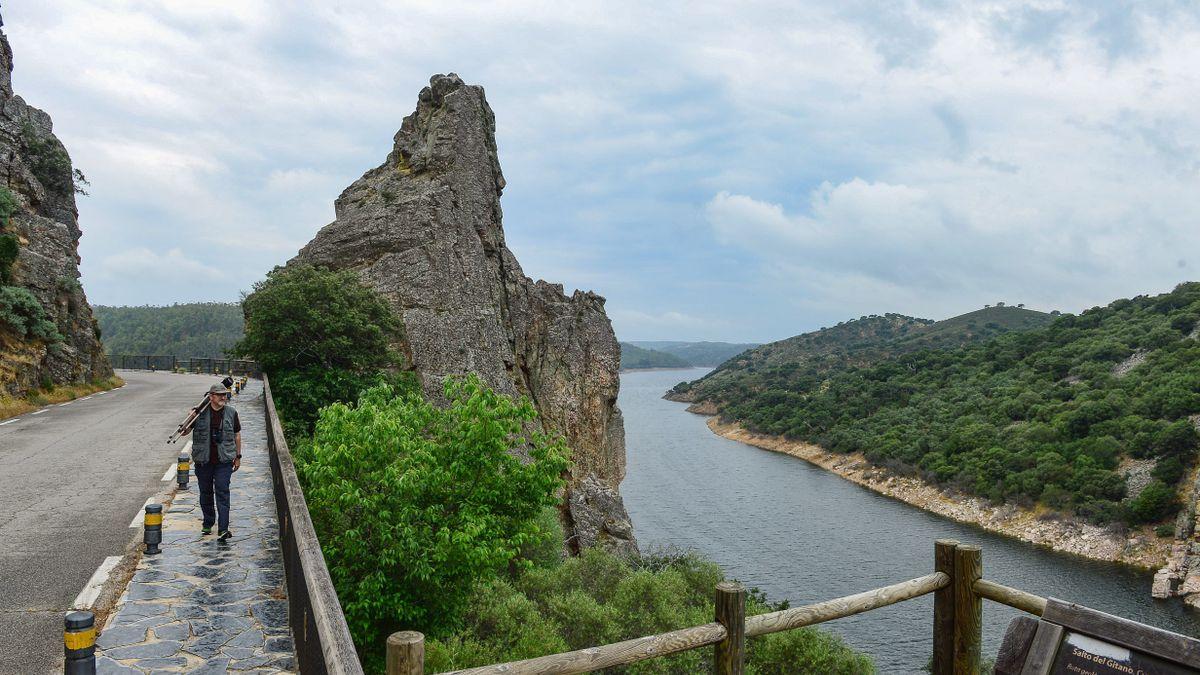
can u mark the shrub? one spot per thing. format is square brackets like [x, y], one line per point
[1155, 502]
[301, 393]
[415, 504]
[782, 654]
[599, 598]
[8, 206]
[8, 255]
[22, 314]
[1168, 470]
[50, 163]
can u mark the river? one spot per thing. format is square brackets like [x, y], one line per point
[801, 533]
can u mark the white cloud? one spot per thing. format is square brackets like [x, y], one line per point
[142, 275]
[148, 266]
[632, 324]
[930, 156]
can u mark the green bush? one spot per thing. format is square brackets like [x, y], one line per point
[323, 337]
[8, 255]
[1156, 501]
[301, 393]
[23, 315]
[599, 598]
[8, 206]
[49, 162]
[1168, 470]
[414, 504]
[805, 650]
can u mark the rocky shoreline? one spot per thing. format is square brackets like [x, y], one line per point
[1139, 547]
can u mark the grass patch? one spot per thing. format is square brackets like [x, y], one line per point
[11, 407]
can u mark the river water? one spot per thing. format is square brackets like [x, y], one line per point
[801, 533]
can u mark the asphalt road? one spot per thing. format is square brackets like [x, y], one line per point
[72, 478]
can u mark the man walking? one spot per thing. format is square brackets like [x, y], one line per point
[216, 454]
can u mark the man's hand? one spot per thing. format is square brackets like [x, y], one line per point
[237, 463]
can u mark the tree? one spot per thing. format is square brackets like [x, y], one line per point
[323, 337]
[309, 316]
[414, 503]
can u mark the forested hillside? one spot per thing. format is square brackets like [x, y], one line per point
[200, 329]
[804, 360]
[634, 357]
[1045, 415]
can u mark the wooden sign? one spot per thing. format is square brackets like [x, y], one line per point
[1083, 655]
[1074, 640]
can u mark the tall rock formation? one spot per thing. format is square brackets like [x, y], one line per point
[41, 229]
[424, 229]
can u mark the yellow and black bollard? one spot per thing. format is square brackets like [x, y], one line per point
[79, 643]
[181, 472]
[152, 529]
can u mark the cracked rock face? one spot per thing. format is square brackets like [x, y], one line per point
[424, 229]
[47, 265]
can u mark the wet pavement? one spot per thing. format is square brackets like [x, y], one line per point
[202, 606]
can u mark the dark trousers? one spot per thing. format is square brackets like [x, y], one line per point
[215, 478]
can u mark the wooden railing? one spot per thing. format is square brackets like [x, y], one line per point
[322, 639]
[956, 584]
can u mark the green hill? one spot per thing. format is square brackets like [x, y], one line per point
[1042, 415]
[200, 329]
[634, 357]
[803, 360]
[698, 353]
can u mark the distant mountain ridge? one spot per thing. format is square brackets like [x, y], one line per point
[704, 353]
[634, 357]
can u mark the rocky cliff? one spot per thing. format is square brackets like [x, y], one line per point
[47, 333]
[424, 229]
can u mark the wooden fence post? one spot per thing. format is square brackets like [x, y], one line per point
[943, 609]
[406, 653]
[729, 655]
[968, 609]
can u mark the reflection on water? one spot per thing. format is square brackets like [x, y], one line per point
[802, 533]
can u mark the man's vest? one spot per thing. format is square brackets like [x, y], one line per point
[226, 449]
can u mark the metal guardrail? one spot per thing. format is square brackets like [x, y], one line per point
[322, 638]
[195, 364]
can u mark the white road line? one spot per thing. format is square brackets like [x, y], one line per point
[91, 590]
[67, 403]
[85, 398]
[9, 422]
[100, 393]
[39, 412]
[137, 518]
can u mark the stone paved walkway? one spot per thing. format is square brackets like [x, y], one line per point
[203, 606]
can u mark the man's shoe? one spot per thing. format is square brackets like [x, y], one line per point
[206, 530]
[224, 536]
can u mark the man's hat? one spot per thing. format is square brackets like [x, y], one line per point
[218, 388]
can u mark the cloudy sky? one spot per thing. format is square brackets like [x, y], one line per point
[739, 171]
